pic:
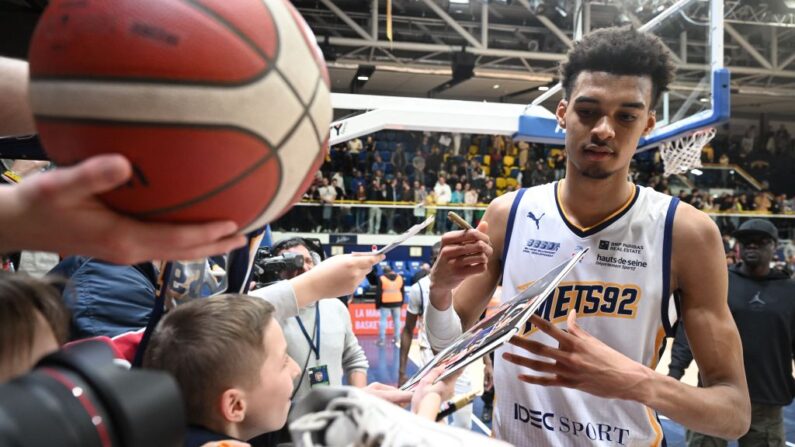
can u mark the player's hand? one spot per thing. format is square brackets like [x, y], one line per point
[388, 393]
[464, 253]
[336, 276]
[580, 361]
[59, 211]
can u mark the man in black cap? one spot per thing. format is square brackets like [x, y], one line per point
[762, 302]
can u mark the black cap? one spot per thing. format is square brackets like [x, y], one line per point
[753, 227]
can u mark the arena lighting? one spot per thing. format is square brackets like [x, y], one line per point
[495, 86]
[543, 88]
[460, 2]
[363, 74]
[696, 171]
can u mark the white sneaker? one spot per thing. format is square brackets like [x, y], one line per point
[344, 416]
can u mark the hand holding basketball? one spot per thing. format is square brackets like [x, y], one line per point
[59, 211]
[580, 361]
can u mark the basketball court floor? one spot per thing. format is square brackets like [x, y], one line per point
[384, 363]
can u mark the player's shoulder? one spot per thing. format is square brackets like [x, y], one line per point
[690, 222]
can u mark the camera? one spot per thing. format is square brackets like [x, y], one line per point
[269, 268]
[79, 396]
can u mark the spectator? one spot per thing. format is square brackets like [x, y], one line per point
[489, 192]
[761, 303]
[782, 140]
[328, 194]
[399, 158]
[470, 199]
[540, 174]
[457, 195]
[355, 146]
[418, 162]
[326, 346]
[393, 196]
[107, 299]
[420, 194]
[360, 212]
[33, 322]
[433, 163]
[560, 165]
[748, 143]
[378, 164]
[358, 180]
[389, 301]
[442, 194]
[376, 194]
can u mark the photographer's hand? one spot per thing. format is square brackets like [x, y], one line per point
[336, 276]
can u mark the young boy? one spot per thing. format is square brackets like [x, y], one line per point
[229, 356]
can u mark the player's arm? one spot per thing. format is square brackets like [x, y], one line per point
[466, 273]
[722, 407]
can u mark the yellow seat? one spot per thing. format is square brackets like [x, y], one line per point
[512, 182]
[501, 183]
[487, 160]
[500, 192]
[508, 160]
[506, 171]
[486, 170]
[473, 150]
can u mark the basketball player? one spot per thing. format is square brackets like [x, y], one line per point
[583, 371]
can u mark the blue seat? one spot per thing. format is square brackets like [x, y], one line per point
[390, 168]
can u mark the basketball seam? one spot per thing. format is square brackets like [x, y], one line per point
[270, 63]
[206, 195]
[305, 114]
[242, 36]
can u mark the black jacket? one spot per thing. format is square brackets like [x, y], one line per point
[764, 311]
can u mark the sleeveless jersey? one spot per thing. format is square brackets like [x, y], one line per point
[620, 290]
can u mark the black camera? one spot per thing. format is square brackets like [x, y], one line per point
[79, 397]
[268, 268]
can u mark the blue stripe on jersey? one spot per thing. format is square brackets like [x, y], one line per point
[666, 270]
[509, 228]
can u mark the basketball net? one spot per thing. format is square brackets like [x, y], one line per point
[684, 153]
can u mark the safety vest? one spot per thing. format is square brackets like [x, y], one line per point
[390, 290]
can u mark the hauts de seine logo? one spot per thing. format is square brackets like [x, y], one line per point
[620, 255]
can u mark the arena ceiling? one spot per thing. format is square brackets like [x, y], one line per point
[517, 45]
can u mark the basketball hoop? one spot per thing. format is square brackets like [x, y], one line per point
[682, 154]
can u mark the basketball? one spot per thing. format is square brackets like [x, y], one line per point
[222, 107]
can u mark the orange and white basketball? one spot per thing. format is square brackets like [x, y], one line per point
[223, 107]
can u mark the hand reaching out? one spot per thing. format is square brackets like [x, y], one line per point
[59, 211]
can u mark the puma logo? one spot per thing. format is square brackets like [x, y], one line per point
[535, 219]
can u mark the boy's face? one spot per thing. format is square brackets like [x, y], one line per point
[604, 118]
[269, 402]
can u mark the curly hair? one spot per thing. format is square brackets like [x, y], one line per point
[620, 51]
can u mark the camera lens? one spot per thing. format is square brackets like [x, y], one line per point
[79, 397]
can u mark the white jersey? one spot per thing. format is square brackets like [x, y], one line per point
[620, 291]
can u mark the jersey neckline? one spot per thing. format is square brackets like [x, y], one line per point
[606, 222]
